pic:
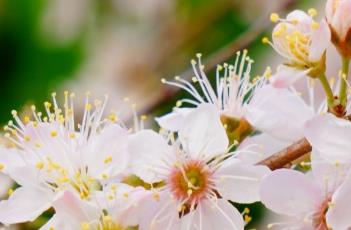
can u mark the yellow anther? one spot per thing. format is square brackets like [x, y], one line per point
[156, 196]
[26, 120]
[72, 135]
[247, 218]
[246, 210]
[113, 117]
[51, 228]
[104, 176]
[2, 166]
[143, 117]
[27, 138]
[39, 165]
[179, 103]
[9, 192]
[312, 12]
[274, 17]
[53, 133]
[315, 25]
[163, 80]
[33, 108]
[88, 106]
[108, 159]
[85, 226]
[14, 113]
[265, 40]
[126, 195]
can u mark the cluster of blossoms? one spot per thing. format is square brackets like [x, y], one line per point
[98, 174]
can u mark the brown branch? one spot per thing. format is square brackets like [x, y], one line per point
[287, 155]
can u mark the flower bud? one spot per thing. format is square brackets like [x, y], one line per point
[338, 14]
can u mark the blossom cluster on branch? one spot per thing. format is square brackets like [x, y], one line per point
[99, 174]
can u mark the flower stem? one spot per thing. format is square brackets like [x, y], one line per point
[343, 82]
[328, 91]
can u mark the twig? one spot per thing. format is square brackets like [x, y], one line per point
[287, 155]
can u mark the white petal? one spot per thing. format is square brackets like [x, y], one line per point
[330, 136]
[202, 133]
[215, 215]
[25, 175]
[5, 183]
[10, 157]
[289, 192]
[240, 182]
[174, 120]
[159, 213]
[108, 152]
[56, 223]
[148, 151]
[320, 41]
[74, 211]
[256, 148]
[329, 175]
[25, 204]
[287, 76]
[271, 109]
[342, 19]
[339, 213]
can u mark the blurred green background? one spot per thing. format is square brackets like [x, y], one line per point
[124, 47]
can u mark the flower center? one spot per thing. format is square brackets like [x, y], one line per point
[190, 181]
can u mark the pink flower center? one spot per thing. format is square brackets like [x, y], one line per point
[190, 181]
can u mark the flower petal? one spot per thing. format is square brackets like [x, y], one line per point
[320, 42]
[25, 204]
[240, 182]
[256, 148]
[329, 175]
[338, 215]
[159, 213]
[329, 135]
[289, 192]
[148, 151]
[74, 211]
[108, 151]
[215, 215]
[174, 120]
[271, 109]
[286, 76]
[202, 133]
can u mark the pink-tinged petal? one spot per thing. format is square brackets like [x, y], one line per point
[320, 42]
[107, 152]
[329, 10]
[329, 175]
[211, 215]
[148, 152]
[25, 204]
[202, 133]
[287, 76]
[341, 22]
[174, 120]
[74, 211]
[256, 148]
[240, 182]
[271, 109]
[330, 136]
[339, 212]
[290, 193]
[159, 212]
